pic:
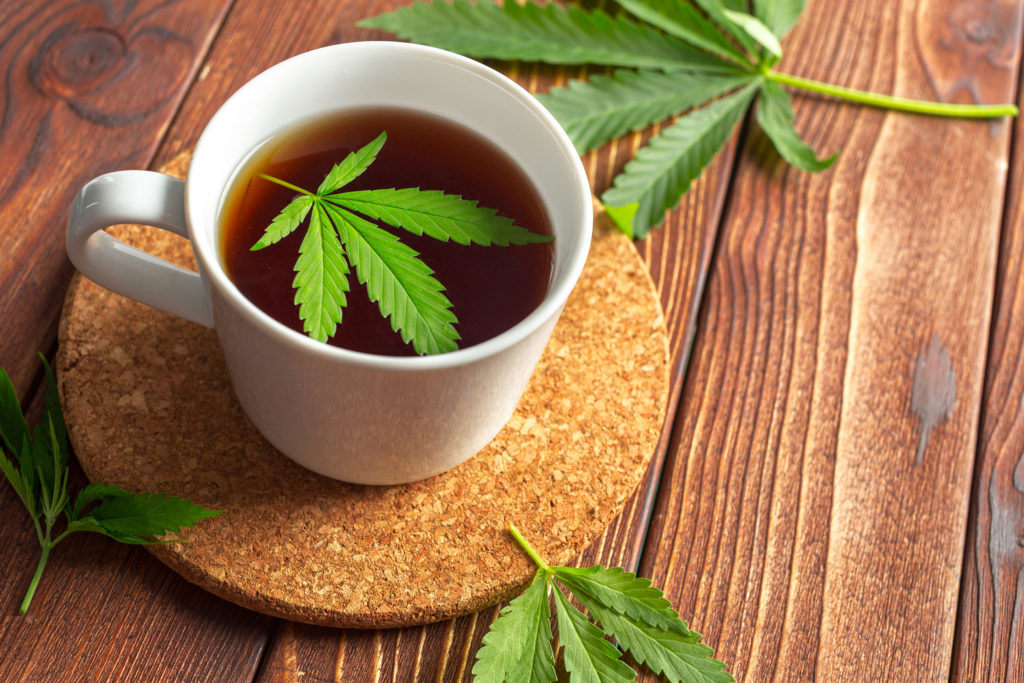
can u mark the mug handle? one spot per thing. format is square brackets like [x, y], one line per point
[135, 197]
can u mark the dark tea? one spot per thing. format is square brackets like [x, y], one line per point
[491, 287]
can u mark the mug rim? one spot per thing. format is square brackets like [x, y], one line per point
[558, 290]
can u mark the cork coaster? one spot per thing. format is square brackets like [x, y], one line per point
[149, 408]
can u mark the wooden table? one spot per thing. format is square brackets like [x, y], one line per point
[839, 491]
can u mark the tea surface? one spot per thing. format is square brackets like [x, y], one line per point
[491, 288]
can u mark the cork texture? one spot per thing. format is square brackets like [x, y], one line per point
[150, 408]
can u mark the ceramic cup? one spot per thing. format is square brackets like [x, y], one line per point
[351, 416]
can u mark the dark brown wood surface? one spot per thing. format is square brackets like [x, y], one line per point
[838, 494]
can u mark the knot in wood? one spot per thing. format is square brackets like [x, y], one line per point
[988, 28]
[934, 394]
[75, 60]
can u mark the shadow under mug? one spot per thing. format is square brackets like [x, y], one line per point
[352, 416]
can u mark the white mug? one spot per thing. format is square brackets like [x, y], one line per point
[352, 416]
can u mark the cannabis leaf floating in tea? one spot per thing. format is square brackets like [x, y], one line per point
[342, 236]
[707, 60]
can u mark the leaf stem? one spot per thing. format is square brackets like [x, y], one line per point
[972, 111]
[39, 529]
[285, 183]
[63, 535]
[524, 544]
[34, 583]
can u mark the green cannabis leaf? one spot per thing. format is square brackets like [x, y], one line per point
[39, 475]
[517, 648]
[396, 279]
[705, 60]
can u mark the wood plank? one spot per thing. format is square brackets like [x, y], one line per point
[797, 526]
[989, 637]
[89, 88]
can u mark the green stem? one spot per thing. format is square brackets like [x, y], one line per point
[60, 538]
[39, 530]
[285, 183]
[972, 111]
[528, 548]
[35, 579]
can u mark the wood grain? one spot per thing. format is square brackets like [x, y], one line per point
[941, 261]
[88, 88]
[793, 524]
[989, 637]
